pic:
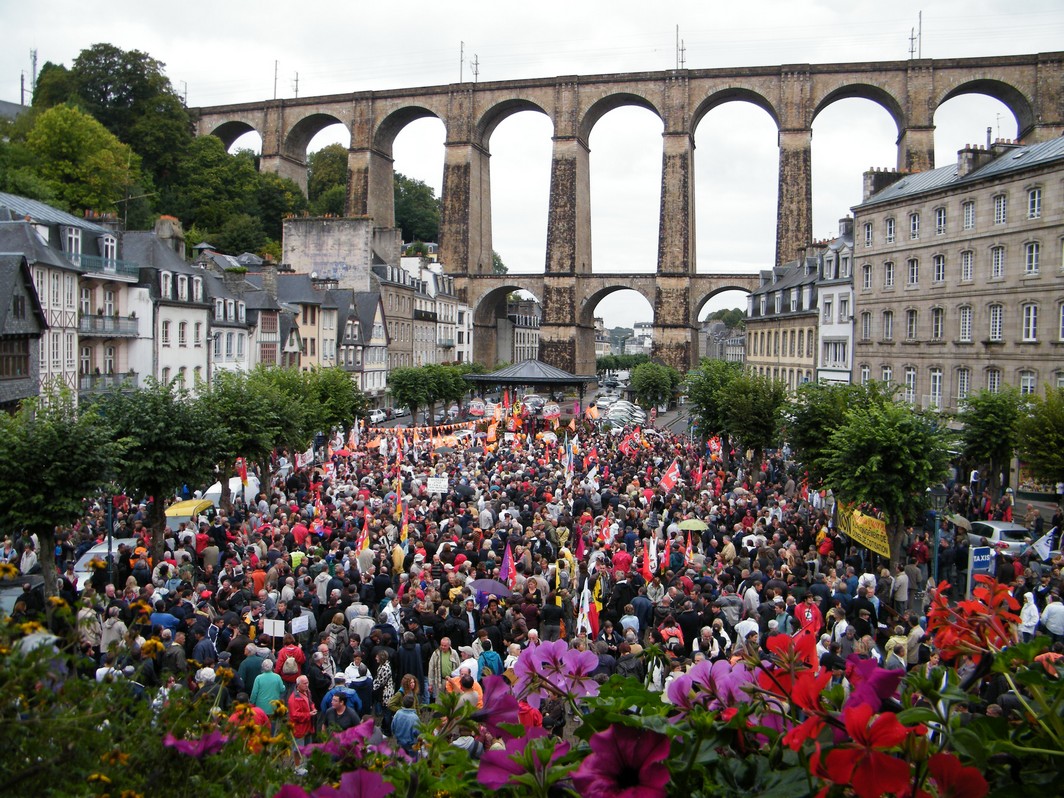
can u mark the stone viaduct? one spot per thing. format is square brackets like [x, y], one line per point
[1032, 86]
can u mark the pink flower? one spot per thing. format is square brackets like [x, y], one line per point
[497, 767]
[500, 705]
[210, 743]
[713, 685]
[348, 743]
[872, 685]
[353, 784]
[553, 668]
[624, 763]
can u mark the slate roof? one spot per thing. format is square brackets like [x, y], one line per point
[22, 237]
[530, 372]
[21, 207]
[144, 248]
[789, 275]
[10, 110]
[1011, 161]
[13, 267]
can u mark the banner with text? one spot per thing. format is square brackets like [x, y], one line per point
[865, 530]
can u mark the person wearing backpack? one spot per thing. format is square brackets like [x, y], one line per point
[290, 661]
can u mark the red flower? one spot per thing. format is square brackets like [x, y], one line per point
[954, 780]
[624, 763]
[863, 766]
[976, 626]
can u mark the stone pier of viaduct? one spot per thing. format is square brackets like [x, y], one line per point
[1032, 86]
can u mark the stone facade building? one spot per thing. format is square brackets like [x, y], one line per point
[959, 275]
[781, 322]
[835, 302]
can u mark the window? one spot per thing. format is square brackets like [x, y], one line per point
[1034, 203]
[1060, 326]
[166, 333]
[888, 375]
[866, 276]
[70, 350]
[997, 262]
[166, 375]
[888, 325]
[934, 397]
[890, 231]
[72, 239]
[762, 306]
[845, 268]
[182, 288]
[794, 300]
[86, 360]
[1030, 322]
[57, 354]
[844, 308]
[218, 345]
[809, 343]
[109, 248]
[197, 290]
[868, 234]
[827, 309]
[229, 345]
[230, 310]
[182, 334]
[1030, 257]
[968, 214]
[18, 307]
[866, 375]
[909, 393]
[914, 226]
[71, 283]
[791, 339]
[937, 318]
[1001, 209]
[996, 313]
[801, 341]
[109, 306]
[914, 271]
[888, 275]
[964, 379]
[240, 345]
[779, 302]
[165, 285]
[938, 266]
[219, 310]
[55, 290]
[14, 359]
[940, 221]
[911, 318]
[993, 380]
[966, 265]
[86, 301]
[1028, 381]
[197, 334]
[965, 314]
[866, 326]
[241, 311]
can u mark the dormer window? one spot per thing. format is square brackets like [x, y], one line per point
[197, 289]
[72, 244]
[109, 248]
[219, 310]
[230, 310]
[182, 288]
[166, 281]
[241, 311]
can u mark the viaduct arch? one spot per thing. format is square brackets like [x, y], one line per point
[1031, 86]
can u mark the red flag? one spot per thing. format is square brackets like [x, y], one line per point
[604, 530]
[508, 568]
[506, 400]
[242, 470]
[648, 574]
[672, 475]
[688, 551]
[362, 541]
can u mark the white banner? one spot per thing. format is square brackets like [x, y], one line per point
[437, 485]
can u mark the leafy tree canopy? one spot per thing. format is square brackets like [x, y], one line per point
[751, 405]
[706, 396]
[732, 317]
[417, 210]
[53, 455]
[1042, 436]
[326, 170]
[654, 383]
[497, 266]
[991, 427]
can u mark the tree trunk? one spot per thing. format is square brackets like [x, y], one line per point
[226, 499]
[157, 524]
[897, 539]
[46, 557]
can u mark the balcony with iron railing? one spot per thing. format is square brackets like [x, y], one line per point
[107, 326]
[446, 343]
[101, 383]
[107, 267]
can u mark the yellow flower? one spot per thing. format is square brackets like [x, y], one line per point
[151, 647]
[115, 758]
[130, 794]
[98, 777]
[30, 627]
[57, 602]
[8, 571]
[97, 564]
[279, 708]
[224, 675]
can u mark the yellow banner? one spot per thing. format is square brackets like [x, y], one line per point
[865, 530]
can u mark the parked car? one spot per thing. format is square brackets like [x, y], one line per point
[11, 589]
[377, 416]
[99, 552]
[1005, 535]
[399, 412]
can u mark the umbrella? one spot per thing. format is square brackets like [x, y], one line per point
[491, 586]
[444, 450]
[696, 524]
[476, 450]
[959, 520]
[741, 492]
[342, 453]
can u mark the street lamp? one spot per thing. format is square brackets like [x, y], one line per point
[937, 499]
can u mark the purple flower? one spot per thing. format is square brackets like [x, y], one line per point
[624, 763]
[500, 705]
[210, 743]
[715, 685]
[553, 668]
[354, 784]
[497, 767]
[872, 685]
[349, 742]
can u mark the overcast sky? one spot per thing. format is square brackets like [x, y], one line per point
[222, 52]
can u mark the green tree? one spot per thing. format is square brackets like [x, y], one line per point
[333, 398]
[55, 86]
[326, 171]
[175, 441]
[886, 455]
[275, 198]
[816, 410]
[54, 454]
[732, 317]
[654, 383]
[706, 395]
[497, 266]
[417, 210]
[408, 388]
[211, 185]
[1041, 436]
[81, 163]
[991, 428]
[331, 202]
[241, 232]
[752, 405]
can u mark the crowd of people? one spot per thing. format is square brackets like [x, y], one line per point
[351, 591]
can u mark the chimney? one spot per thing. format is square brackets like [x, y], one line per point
[846, 227]
[234, 281]
[269, 279]
[972, 157]
[168, 229]
[875, 180]
[1002, 146]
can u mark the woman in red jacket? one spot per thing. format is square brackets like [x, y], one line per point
[301, 711]
[290, 671]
